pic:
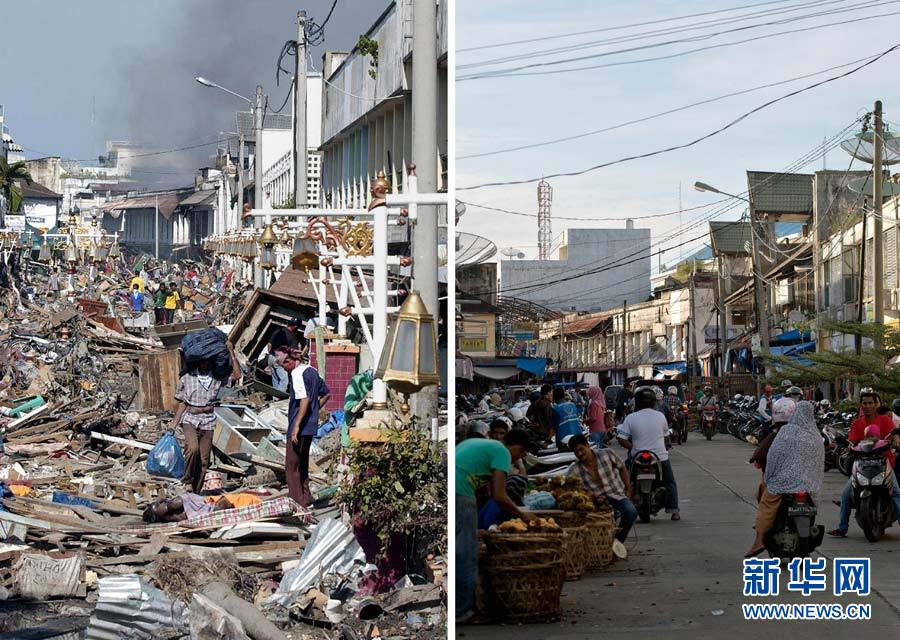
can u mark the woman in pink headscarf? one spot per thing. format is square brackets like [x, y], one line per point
[596, 416]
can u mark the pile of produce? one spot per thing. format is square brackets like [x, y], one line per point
[569, 493]
[541, 525]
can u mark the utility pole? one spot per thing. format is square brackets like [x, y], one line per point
[624, 334]
[723, 328]
[257, 175]
[425, 158]
[860, 306]
[877, 225]
[240, 181]
[762, 318]
[156, 230]
[692, 324]
[300, 144]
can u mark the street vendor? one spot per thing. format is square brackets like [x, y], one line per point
[309, 394]
[478, 459]
[197, 396]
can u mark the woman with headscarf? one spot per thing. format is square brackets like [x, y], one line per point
[795, 463]
[596, 416]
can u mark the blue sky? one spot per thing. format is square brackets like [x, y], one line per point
[503, 112]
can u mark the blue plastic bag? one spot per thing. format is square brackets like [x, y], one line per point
[166, 459]
[540, 501]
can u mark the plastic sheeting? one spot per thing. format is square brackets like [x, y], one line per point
[331, 548]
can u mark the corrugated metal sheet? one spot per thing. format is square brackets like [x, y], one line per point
[330, 549]
[781, 192]
[129, 609]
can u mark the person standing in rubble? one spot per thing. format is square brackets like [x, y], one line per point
[309, 394]
[159, 304]
[136, 299]
[53, 284]
[282, 337]
[138, 281]
[173, 302]
[197, 395]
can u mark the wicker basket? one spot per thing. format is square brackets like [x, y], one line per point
[569, 519]
[573, 552]
[601, 532]
[525, 573]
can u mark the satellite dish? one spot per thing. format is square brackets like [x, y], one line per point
[512, 252]
[866, 186]
[861, 147]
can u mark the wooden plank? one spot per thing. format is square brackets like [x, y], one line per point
[131, 443]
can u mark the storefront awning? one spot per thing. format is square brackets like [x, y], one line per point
[497, 373]
[535, 366]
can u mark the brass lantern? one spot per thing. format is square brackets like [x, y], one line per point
[71, 252]
[114, 252]
[306, 254]
[266, 245]
[44, 253]
[409, 358]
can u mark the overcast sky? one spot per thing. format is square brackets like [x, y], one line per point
[76, 74]
[499, 113]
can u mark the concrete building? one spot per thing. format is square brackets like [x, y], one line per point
[278, 162]
[367, 110]
[619, 259]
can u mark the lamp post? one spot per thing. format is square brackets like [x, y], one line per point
[762, 317]
[256, 108]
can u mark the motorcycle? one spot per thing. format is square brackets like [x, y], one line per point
[795, 533]
[649, 491]
[709, 417]
[872, 479]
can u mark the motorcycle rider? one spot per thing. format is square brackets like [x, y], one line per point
[869, 402]
[708, 397]
[646, 429]
[765, 404]
[795, 463]
[794, 393]
[672, 403]
[566, 418]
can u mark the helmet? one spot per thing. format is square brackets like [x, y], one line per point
[509, 423]
[672, 391]
[496, 400]
[786, 383]
[794, 392]
[480, 428]
[738, 397]
[783, 409]
[825, 403]
[707, 388]
[516, 414]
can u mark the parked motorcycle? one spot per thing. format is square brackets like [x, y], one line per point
[795, 533]
[709, 419]
[649, 491]
[872, 479]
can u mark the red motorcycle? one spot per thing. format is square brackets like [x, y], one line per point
[709, 420]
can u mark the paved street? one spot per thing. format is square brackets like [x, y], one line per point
[678, 573]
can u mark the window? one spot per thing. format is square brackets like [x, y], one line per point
[850, 274]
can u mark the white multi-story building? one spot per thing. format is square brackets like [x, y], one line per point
[618, 261]
[367, 119]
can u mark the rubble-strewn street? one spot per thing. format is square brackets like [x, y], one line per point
[223, 321]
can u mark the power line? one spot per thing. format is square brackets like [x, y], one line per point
[616, 28]
[805, 159]
[518, 71]
[692, 142]
[592, 218]
[672, 30]
[660, 114]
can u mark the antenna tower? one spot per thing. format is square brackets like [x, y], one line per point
[545, 230]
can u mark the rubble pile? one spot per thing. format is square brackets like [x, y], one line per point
[84, 387]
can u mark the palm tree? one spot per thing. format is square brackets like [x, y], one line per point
[10, 174]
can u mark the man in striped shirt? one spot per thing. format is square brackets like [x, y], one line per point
[604, 476]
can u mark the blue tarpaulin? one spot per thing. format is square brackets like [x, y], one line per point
[790, 336]
[535, 366]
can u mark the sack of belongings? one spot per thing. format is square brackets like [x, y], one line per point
[206, 344]
[166, 459]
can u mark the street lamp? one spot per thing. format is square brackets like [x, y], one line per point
[408, 359]
[702, 186]
[209, 83]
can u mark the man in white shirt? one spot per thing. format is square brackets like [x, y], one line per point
[765, 403]
[645, 430]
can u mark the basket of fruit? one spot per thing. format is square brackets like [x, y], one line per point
[525, 570]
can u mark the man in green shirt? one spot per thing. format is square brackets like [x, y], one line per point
[477, 459]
